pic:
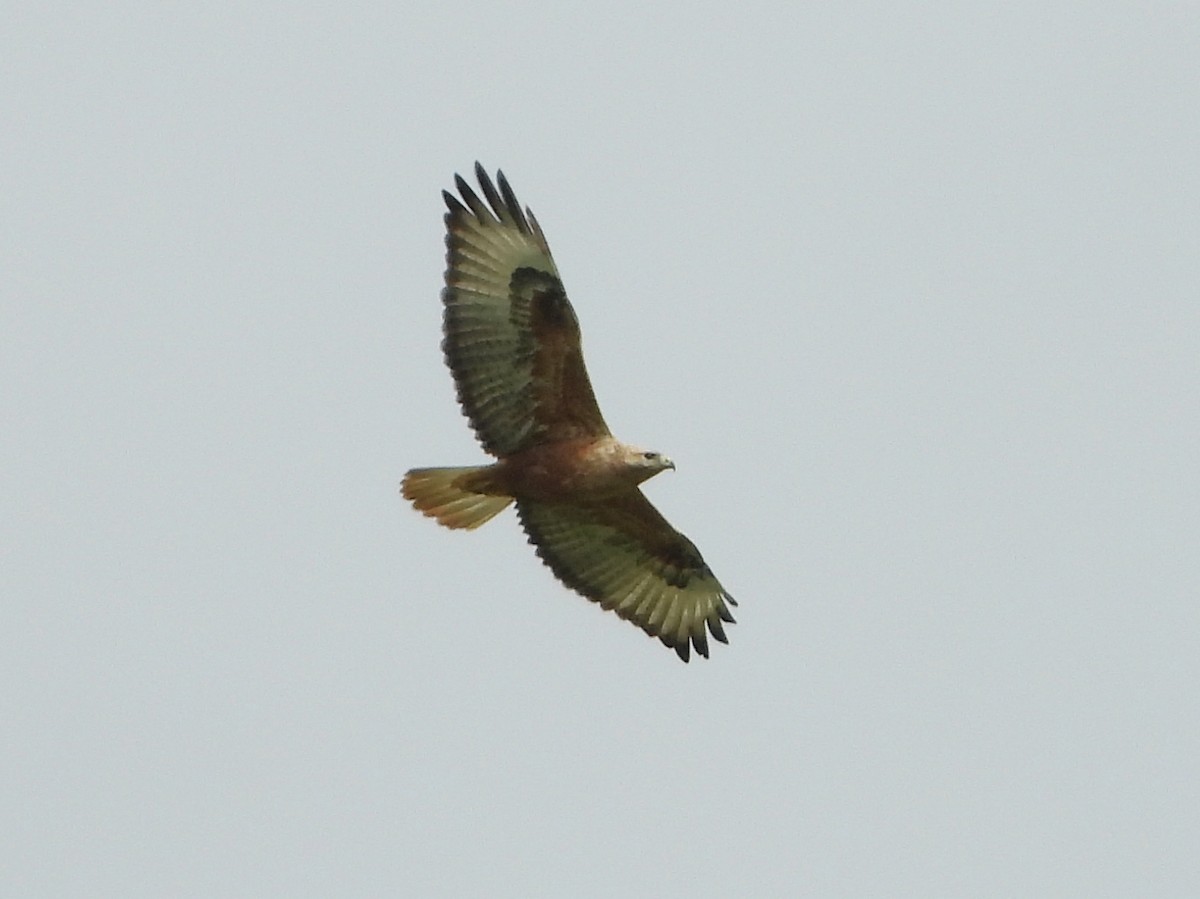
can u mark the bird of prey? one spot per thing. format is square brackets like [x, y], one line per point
[511, 341]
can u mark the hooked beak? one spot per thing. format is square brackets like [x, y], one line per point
[667, 463]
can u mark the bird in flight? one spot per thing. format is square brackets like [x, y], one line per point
[511, 341]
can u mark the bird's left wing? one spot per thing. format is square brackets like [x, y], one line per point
[511, 337]
[622, 554]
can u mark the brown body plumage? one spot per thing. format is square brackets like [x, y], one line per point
[512, 343]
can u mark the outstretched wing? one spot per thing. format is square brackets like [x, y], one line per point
[511, 336]
[624, 555]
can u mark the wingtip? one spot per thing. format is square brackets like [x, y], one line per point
[717, 630]
[681, 647]
[454, 206]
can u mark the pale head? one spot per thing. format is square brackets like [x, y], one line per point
[644, 464]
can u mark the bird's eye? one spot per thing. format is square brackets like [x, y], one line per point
[649, 455]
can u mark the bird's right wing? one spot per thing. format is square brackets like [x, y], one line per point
[624, 555]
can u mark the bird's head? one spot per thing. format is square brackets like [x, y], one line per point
[646, 463]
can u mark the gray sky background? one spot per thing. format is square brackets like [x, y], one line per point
[908, 291]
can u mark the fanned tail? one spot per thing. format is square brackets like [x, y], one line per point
[446, 494]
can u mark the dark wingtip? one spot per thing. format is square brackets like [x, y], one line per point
[681, 648]
[471, 199]
[453, 204]
[533, 222]
[511, 202]
[503, 202]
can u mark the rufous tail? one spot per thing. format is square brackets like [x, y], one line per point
[446, 494]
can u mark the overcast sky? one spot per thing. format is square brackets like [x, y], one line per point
[909, 292]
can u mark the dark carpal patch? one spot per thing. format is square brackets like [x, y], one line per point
[548, 303]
